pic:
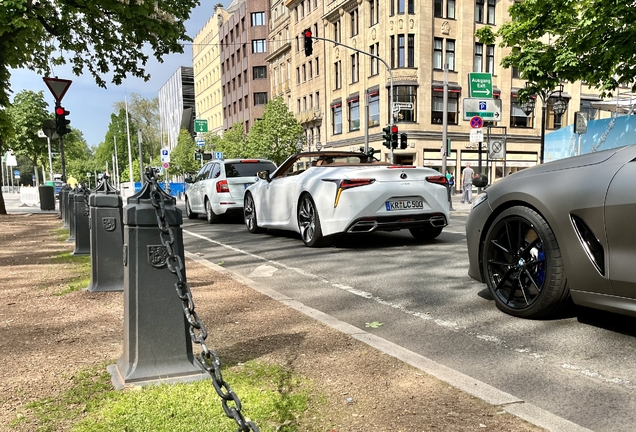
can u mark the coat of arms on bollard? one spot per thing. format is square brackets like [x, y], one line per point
[157, 255]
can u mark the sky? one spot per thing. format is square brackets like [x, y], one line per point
[90, 106]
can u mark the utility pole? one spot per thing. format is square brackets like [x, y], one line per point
[141, 157]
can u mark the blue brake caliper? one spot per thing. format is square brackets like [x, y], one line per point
[541, 266]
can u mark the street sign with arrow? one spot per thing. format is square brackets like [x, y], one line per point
[487, 109]
[480, 85]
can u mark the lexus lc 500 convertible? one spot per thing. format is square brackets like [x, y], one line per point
[558, 230]
[320, 194]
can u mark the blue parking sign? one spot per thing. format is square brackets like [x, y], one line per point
[482, 105]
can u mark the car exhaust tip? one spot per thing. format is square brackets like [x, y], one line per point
[363, 226]
[438, 221]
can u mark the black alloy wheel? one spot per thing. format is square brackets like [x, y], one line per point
[249, 215]
[309, 223]
[522, 264]
[189, 213]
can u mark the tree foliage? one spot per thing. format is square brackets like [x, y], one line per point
[116, 136]
[558, 40]
[144, 113]
[28, 111]
[182, 156]
[275, 136]
[233, 143]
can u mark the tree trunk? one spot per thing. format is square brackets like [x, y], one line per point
[3, 207]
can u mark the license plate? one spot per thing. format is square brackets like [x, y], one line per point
[404, 205]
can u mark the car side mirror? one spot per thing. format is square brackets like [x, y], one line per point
[263, 175]
[189, 179]
[480, 181]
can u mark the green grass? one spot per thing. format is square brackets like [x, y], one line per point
[81, 270]
[273, 397]
[61, 234]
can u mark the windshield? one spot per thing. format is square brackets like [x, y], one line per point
[247, 169]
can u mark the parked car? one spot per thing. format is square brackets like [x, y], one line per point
[320, 194]
[219, 186]
[558, 230]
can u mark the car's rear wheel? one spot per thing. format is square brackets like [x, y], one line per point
[522, 264]
[249, 214]
[209, 213]
[426, 233]
[309, 223]
[189, 213]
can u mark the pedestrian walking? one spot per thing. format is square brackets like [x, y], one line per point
[467, 184]
[451, 183]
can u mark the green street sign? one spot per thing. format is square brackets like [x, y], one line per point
[480, 85]
[200, 125]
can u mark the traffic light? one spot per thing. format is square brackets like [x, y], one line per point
[394, 136]
[197, 155]
[61, 123]
[403, 141]
[386, 136]
[309, 49]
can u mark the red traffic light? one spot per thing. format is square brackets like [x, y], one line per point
[394, 129]
[308, 33]
[59, 110]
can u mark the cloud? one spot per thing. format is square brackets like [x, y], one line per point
[90, 105]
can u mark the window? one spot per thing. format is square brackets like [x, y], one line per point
[515, 72]
[437, 114]
[438, 8]
[259, 72]
[304, 73]
[296, 13]
[258, 18]
[338, 74]
[297, 75]
[401, 54]
[336, 115]
[311, 69]
[400, 6]
[317, 100]
[406, 94]
[354, 22]
[450, 9]
[479, 11]
[298, 101]
[317, 67]
[478, 61]
[450, 54]
[392, 51]
[491, 12]
[586, 107]
[375, 50]
[411, 6]
[260, 98]
[374, 109]
[490, 59]
[336, 31]
[355, 67]
[297, 44]
[519, 119]
[374, 10]
[258, 46]
[437, 53]
[354, 114]
[316, 30]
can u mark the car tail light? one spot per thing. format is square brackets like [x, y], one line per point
[222, 186]
[437, 180]
[400, 166]
[249, 160]
[351, 183]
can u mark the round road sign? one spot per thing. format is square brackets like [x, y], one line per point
[476, 122]
[166, 165]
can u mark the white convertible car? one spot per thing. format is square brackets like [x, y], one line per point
[320, 194]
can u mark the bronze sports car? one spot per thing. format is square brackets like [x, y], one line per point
[558, 230]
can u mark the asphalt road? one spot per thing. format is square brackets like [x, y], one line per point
[580, 366]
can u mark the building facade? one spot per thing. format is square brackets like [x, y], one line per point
[243, 35]
[341, 95]
[176, 106]
[206, 60]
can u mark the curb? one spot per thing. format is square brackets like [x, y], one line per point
[509, 403]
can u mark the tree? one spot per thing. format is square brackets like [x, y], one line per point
[557, 40]
[6, 132]
[144, 113]
[182, 160]
[233, 143]
[27, 113]
[117, 136]
[109, 37]
[275, 136]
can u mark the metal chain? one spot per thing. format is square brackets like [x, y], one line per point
[208, 360]
[86, 192]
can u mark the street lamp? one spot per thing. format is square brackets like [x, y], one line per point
[559, 107]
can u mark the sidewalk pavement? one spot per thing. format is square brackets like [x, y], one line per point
[14, 205]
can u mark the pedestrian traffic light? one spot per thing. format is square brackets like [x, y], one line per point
[403, 141]
[386, 136]
[61, 123]
[394, 136]
[309, 49]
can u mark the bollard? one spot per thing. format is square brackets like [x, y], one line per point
[81, 222]
[63, 198]
[70, 205]
[107, 239]
[157, 345]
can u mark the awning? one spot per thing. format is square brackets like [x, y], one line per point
[614, 106]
